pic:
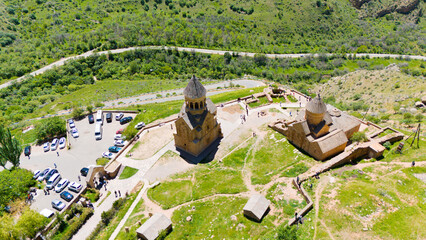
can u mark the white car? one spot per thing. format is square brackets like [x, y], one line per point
[140, 125]
[62, 142]
[46, 147]
[36, 174]
[108, 155]
[118, 137]
[74, 133]
[75, 187]
[72, 124]
[119, 143]
[61, 185]
[47, 213]
[58, 204]
[54, 144]
[43, 174]
[119, 116]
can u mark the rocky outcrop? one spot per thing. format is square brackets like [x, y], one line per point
[407, 6]
[358, 3]
[385, 11]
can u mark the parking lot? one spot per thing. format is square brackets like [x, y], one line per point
[83, 152]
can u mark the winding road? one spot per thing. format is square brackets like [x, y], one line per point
[199, 50]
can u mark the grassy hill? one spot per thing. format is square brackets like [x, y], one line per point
[36, 32]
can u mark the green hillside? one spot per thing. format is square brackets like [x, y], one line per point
[36, 32]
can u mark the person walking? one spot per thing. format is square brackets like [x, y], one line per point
[115, 192]
[54, 164]
[57, 153]
[119, 193]
[79, 178]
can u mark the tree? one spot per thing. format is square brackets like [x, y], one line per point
[50, 127]
[89, 109]
[30, 223]
[77, 112]
[10, 148]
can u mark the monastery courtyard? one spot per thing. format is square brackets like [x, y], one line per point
[252, 158]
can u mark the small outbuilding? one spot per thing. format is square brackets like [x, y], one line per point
[152, 228]
[256, 207]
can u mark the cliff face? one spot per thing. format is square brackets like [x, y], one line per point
[380, 8]
[358, 3]
[406, 7]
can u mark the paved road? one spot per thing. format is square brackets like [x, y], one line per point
[199, 50]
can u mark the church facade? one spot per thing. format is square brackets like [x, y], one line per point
[196, 127]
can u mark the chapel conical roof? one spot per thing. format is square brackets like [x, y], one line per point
[194, 89]
[316, 105]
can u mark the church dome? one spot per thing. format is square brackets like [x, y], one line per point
[316, 106]
[194, 89]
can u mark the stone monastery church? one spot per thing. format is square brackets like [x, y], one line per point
[196, 127]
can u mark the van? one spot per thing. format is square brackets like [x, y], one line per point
[98, 131]
[53, 180]
[99, 117]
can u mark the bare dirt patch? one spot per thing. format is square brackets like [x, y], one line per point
[152, 142]
[169, 164]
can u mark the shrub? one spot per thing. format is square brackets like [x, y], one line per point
[91, 194]
[359, 137]
[387, 145]
[77, 113]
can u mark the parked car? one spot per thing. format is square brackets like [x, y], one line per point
[140, 125]
[118, 136]
[47, 213]
[119, 143]
[27, 150]
[107, 155]
[58, 204]
[62, 142]
[114, 149]
[125, 120]
[61, 185]
[75, 187]
[119, 116]
[109, 117]
[53, 180]
[91, 118]
[119, 131]
[84, 171]
[43, 174]
[50, 173]
[74, 133]
[71, 123]
[46, 147]
[54, 144]
[67, 196]
[36, 174]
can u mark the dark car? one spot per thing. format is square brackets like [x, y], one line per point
[109, 117]
[66, 196]
[91, 118]
[84, 171]
[27, 151]
[125, 120]
[114, 149]
[53, 171]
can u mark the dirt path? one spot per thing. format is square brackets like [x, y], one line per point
[327, 229]
[318, 192]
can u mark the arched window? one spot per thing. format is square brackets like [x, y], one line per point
[196, 105]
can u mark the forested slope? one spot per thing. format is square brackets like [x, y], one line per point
[34, 33]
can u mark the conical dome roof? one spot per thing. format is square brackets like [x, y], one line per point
[194, 89]
[316, 105]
